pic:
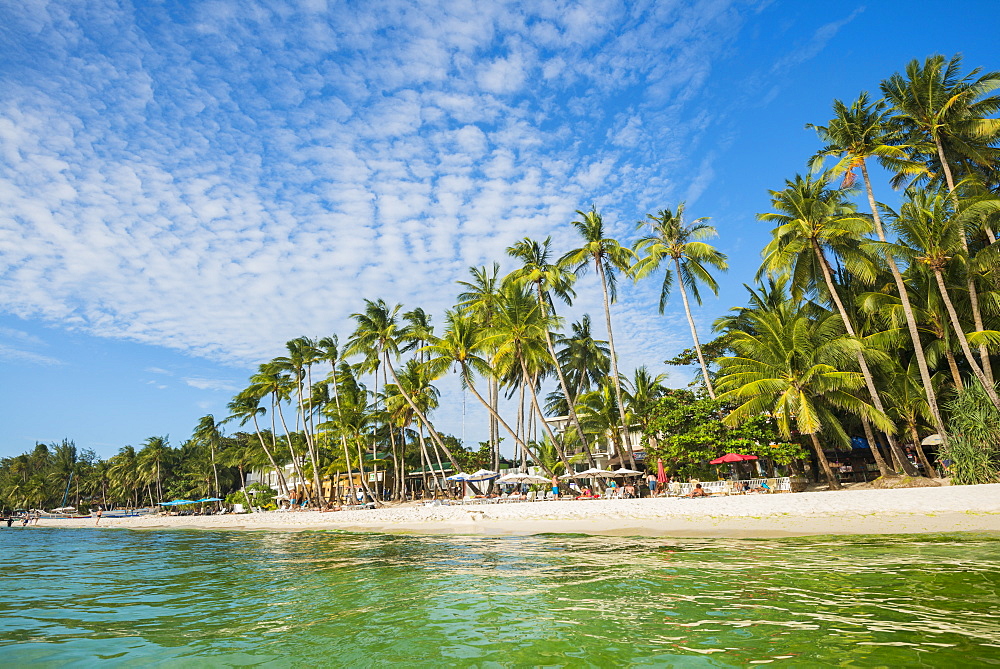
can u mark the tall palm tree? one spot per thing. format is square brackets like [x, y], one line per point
[791, 366]
[856, 133]
[207, 433]
[302, 355]
[246, 407]
[547, 278]
[480, 297]
[930, 231]
[520, 333]
[376, 334]
[935, 102]
[465, 344]
[152, 457]
[811, 219]
[270, 380]
[330, 352]
[673, 240]
[608, 257]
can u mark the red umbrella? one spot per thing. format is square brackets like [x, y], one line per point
[661, 476]
[732, 457]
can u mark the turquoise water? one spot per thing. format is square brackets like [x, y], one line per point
[199, 598]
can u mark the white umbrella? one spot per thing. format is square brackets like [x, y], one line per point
[518, 477]
[482, 475]
[589, 474]
[933, 440]
[621, 471]
[461, 476]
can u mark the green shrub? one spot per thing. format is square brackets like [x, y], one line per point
[974, 438]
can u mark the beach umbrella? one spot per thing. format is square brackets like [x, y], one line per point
[622, 471]
[207, 499]
[483, 475]
[732, 457]
[178, 502]
[461, 476]
[932, 440]
[661, 474]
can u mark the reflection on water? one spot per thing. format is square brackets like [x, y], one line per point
[235, 598]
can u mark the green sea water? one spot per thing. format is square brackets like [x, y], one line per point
[200, 598]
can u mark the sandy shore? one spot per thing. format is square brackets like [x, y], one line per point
[906, 511]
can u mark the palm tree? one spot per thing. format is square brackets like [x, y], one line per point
[270, 380]
[671, 238]
[811, 218]
[608, 256]
[584, 360]
[641, 393]
[464, 344]
[519, 334]
[547, 279]
[330, 352]
[930, 231]
[790, 366]
[376, 335]
[246, 407]
[856, 133]
[481, 298]
[207, 434]
[935, 103]
[152, 457]
[302, 354]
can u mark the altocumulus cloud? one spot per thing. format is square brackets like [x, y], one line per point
[220, 177]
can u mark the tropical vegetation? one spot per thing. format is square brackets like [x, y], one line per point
[875, 315]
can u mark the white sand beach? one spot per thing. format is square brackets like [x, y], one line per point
[904, 511]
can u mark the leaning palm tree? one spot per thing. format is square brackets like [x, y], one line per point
[934, 102]
[376, 336]
[465, 344]
[519, 334]
[547, 278]
[481, 297]
[673, 240]
[811, 220]
[856, 133]
[302, 355]
[246, 407]
[792, 367]
[930, 231]
[608, 257]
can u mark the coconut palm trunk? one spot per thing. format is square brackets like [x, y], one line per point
[282, 486]
[694, 332]
[562, 380]
[615, 378]
[541, 416]
[911, 321]
[831, 479]
[977, 314]
[883, 467]
[956, 325]
[862, 363]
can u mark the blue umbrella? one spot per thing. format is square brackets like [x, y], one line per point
[208, 499]
[178, 502]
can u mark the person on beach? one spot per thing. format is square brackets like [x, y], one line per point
[629, 491]
[697, 491]
[100, 513]
[652, 485]
[555, 486]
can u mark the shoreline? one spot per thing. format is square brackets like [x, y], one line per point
[847, 512]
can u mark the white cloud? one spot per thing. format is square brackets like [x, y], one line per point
[210, 384]
[221, 179]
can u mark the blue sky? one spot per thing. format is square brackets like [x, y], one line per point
[184, 186]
